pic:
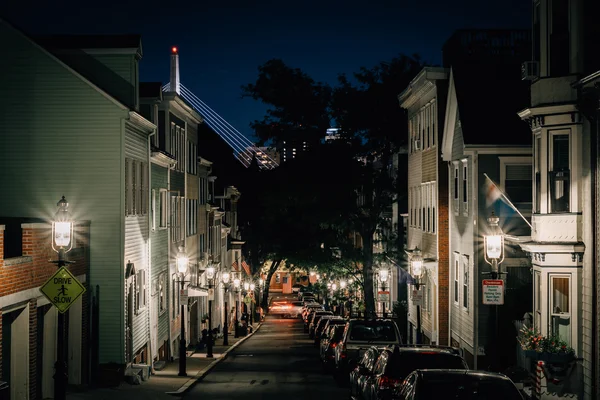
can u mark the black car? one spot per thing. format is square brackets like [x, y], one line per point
[362, 371]
[395, 363]
[457, 384]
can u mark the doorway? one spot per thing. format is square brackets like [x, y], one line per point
[15, 351]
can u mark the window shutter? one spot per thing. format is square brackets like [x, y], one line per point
[518, 172]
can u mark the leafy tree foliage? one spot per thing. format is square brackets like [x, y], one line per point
[314, 204]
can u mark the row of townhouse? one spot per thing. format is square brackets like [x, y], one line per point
[75, 121]
[520, 107]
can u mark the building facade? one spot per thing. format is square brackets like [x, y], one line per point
[425, 103]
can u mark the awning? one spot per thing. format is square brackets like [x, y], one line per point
[194, 291]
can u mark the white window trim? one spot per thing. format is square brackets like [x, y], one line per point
[466, 266]
[455, 187]
[572, 294]
[456, 272]
[465, 186]
[523, 160]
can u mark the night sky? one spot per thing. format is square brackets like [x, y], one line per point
[221, 43]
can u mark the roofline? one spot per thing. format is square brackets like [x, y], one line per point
[142, 122]
[179, 101]
[67, 67]
[417, 86]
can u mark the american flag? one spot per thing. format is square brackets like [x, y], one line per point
[246, 267]
[235, 266]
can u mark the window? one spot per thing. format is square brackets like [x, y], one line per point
[136, 187]
[456, 275]
[559, 177]
[560, 313]
[537, 306]
[192, 217]
[285, 280]
[538, 169]
[159, 208]
[433, 204]
[140, 290]
[177, 218]
[456, 188]
[277, 278]
[427, 124]
[433, 118]
[559, 38]
[192, 158]
[466, 282]
[162, 295]
[427, 299]
[465, 190]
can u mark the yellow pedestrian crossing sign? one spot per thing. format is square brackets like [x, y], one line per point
[62, 289]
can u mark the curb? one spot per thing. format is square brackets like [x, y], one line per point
[201, 374]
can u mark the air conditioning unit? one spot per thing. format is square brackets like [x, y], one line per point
[530, 70]
[417, 144]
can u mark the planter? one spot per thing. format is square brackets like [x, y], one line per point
[556, 358]
[531, 353]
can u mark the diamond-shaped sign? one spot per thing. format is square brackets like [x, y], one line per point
[62, 289]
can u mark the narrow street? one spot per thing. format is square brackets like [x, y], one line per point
[278, 362]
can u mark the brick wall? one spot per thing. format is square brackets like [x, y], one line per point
[32, 270]
[443, 254]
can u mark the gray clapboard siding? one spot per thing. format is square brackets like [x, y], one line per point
[137, 236]
[60, 136]
[159, 255]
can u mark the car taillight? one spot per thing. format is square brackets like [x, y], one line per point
[385, 382]
[343, 351]
[333, 345]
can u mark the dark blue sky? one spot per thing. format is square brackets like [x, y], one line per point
[221, 43]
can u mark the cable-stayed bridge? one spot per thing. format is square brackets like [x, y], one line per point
[243, 149]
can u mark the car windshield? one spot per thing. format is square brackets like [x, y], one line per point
[380, 331]
[468, 389]
[403, 363]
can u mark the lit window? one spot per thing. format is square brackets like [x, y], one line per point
[560, 308]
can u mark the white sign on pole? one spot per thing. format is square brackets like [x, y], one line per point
[383, 296]
[493, 292]
[183, 296]
[211, 294]
[417, 297]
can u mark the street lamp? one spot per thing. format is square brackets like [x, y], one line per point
[416, 269]
[252, 287]
[236, 286]
[182, 266]
[62, 242]
[494, 245]
[225, 279]
[210, 275]
[494, 255]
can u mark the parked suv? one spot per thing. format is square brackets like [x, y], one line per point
[359, 335]
[396, 362]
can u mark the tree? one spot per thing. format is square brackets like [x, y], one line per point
[369, 110]
[341, 188]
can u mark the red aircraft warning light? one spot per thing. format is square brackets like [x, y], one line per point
[174, 50]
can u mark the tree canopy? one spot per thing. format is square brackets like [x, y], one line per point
[310, 209]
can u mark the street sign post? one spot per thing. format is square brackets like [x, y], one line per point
[417, 297]
[493, 292]
[211, 293]
[62, 289]
[183, 296]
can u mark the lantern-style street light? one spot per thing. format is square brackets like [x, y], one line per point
[252, 301]
[225, 279]
[494, 246]
[236, 287]
[416, 269]
[62, 242]
[210, 276]
[182, 266]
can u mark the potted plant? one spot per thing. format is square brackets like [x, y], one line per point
[551, 349]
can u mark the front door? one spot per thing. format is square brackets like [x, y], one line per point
[17, 360]
[129, 327]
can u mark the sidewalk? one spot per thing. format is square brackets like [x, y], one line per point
[166, 383]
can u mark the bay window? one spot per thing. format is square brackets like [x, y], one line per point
[560, 311]
[559, 177]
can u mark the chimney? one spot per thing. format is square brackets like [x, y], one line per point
[174, 83]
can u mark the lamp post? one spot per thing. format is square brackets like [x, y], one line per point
[236, 286]
[210, 275]
[62, 234]
[225, 279]
[416, 267]
[182, 266]
[252, 287]
[494, 255]
[383, 277]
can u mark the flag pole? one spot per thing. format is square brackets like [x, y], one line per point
[508, 200]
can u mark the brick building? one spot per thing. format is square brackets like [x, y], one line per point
[28, 322]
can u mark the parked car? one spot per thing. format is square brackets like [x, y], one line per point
[395, 363]
[302, 295]
[359, 335]
[329, 342]
[457, 384]
[324, 322]
[316, 317]
[362, 371]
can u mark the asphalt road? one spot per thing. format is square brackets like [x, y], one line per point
[278, 362]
